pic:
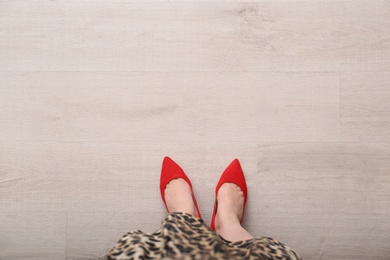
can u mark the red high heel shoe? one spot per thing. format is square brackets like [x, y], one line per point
[171, 170]
[233, 174]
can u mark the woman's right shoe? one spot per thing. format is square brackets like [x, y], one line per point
[232, 174]
[171, 170]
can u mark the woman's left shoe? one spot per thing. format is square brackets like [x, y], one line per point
[170, 171]
[232, 174]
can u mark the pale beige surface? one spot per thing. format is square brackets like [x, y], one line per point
[93, 95]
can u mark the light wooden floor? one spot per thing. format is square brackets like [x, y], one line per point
[93, 95]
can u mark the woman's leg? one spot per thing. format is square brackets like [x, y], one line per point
[230, 205]
[229, 212]
[178, 197]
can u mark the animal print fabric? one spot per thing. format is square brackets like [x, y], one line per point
[183, 236]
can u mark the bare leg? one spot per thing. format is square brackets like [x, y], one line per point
[229, 212]
[178, 197]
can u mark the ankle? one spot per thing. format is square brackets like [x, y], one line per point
[184, 210]
[234, 234]
[227, 220]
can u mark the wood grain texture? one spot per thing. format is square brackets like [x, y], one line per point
[195, 36]
[33, 235]
[365, 107]
[93, 95]
[338, 193]
[61, 106]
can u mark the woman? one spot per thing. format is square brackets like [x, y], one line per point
[184, 235]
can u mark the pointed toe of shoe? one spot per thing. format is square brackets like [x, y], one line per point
[233, 173]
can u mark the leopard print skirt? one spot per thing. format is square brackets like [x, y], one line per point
[183, 236]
